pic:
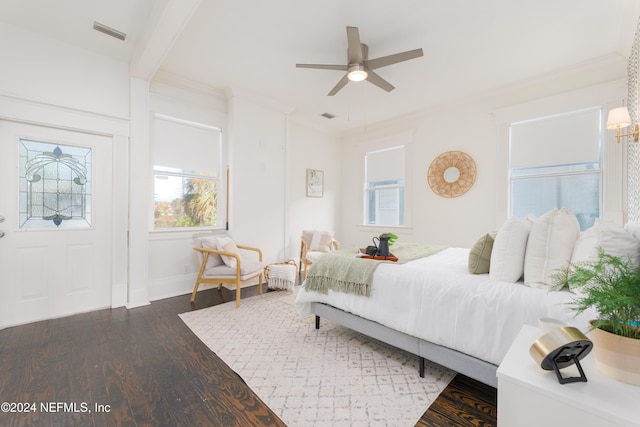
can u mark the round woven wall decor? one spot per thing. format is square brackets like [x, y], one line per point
[452, 174]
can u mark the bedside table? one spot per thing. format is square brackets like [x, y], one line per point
[531, 396]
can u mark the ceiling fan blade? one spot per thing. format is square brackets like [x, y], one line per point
[354, 51]
[393, 59]
[323, 66]
[342, 83]
[379, 81]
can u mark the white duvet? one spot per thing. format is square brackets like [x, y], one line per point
[436, 299]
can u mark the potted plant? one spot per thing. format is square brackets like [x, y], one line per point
[610, 285]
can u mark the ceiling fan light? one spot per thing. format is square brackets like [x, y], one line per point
[357, 73]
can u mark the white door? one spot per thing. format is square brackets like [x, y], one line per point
[56, 250]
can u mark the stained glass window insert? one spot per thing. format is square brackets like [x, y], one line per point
[55, 185]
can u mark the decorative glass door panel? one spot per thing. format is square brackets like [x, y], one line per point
[55, 185]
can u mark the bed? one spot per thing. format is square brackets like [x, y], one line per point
[434, 308]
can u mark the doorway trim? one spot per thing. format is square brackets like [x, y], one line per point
[118, 129]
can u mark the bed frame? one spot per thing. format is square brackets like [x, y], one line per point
[470, 366]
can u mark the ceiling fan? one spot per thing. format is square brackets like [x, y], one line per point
[359, 67]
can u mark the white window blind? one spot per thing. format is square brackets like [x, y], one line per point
[565, 139]
[185, 146]
[385, 165]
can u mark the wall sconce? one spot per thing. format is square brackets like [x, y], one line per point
[619, 118]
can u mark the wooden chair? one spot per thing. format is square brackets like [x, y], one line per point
[324, 244]
[214, 270]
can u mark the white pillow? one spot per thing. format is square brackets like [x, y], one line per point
[226, 244]
[507, 255]
[613, 239]
[633, 228]
[550, 246]
[213, 260]
[319, 241]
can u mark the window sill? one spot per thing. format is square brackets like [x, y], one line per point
[383, 228]
[183, 233]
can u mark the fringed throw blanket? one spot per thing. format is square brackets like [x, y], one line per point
[282, 276]
[342, 271]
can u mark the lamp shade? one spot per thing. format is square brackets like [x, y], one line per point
[618, 118]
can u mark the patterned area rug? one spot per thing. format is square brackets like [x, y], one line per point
[328, 377]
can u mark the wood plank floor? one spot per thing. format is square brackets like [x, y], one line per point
[144, 367]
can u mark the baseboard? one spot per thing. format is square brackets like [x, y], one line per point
[174, 286]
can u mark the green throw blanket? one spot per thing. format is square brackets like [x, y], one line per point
[342, 271]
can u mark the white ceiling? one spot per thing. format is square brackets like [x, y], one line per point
[251, 46]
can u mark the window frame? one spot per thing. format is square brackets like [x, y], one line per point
[217, 175]
[403, 141]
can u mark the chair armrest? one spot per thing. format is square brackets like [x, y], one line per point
[249, 248]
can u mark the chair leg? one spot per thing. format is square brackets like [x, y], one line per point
[195, 289]
[237, 295]
[260, 284]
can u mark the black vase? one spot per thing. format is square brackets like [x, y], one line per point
[383, 247]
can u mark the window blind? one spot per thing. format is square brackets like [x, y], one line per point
[565, 139]
[385, 165]
[187, 147]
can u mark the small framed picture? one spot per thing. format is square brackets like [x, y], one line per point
[315, 183]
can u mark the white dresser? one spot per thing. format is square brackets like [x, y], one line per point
[531, 396]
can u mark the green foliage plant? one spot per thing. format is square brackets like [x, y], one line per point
[611, 285]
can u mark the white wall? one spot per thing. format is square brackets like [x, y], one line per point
[258, 138]
[452, 222]
[44, 70]
[268, 156]
[171, 261]
[313, 149]
[472, 127]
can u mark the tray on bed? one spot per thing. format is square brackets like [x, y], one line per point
[391, 257]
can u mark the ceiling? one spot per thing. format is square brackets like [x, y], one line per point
[251, 46]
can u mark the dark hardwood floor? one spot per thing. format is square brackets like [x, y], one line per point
[144, 367]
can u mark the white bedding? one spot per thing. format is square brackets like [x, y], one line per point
[436, 299]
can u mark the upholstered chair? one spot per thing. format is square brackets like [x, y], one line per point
[314, 244]
[224, 262]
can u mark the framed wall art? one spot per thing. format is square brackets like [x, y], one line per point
[315, 183]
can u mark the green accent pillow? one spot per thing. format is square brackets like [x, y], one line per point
[480, 254]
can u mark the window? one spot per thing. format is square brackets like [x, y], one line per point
[384, 187]
[55, 185]
[556, 162]
[186, 173]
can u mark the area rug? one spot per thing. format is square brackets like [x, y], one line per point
[328, 377]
